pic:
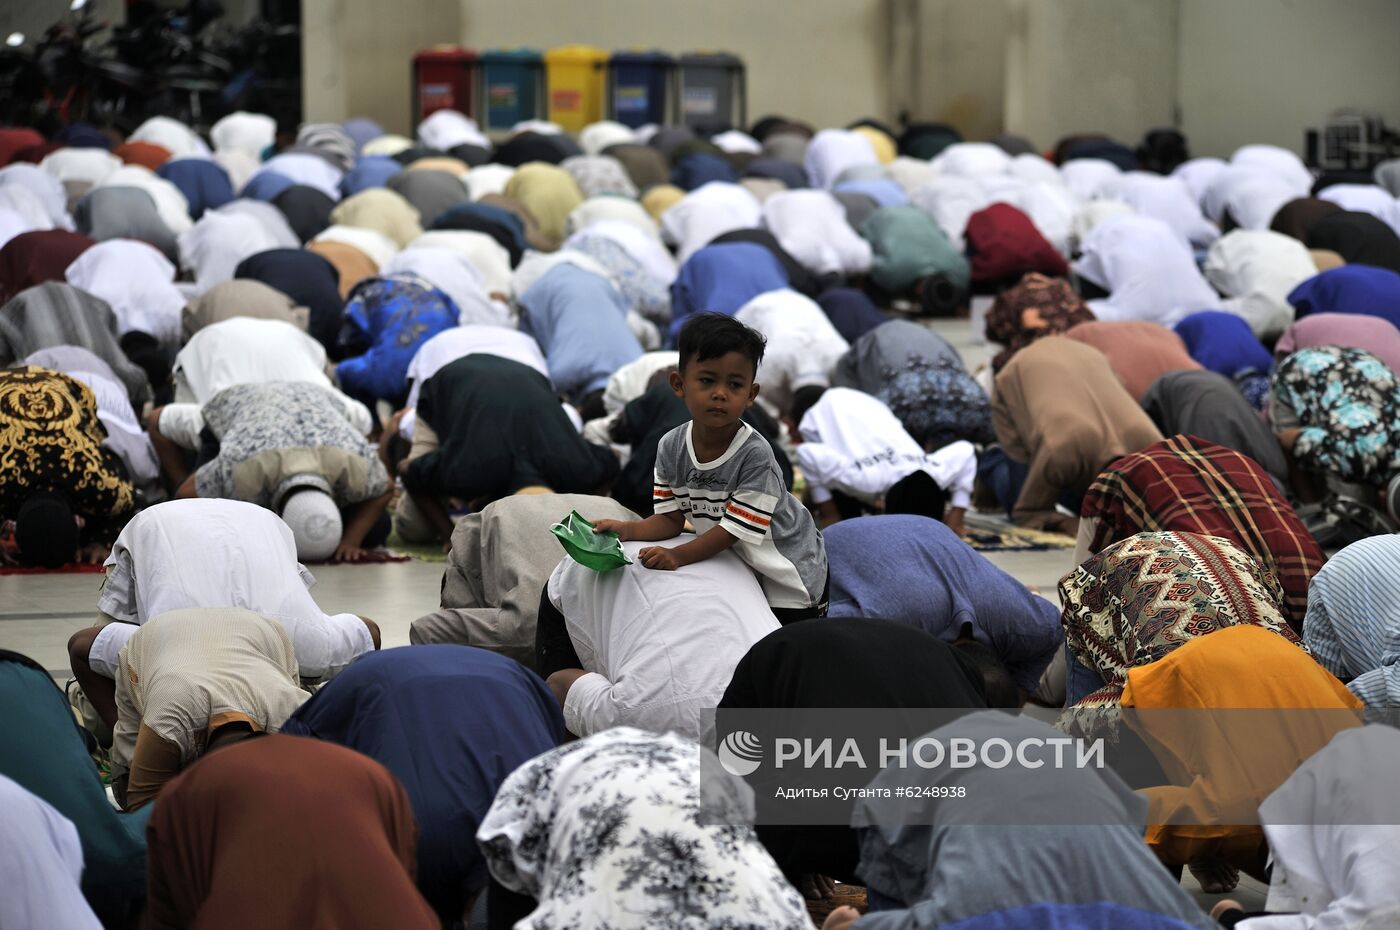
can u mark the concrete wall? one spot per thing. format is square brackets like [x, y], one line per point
[356, 55]
[824, 61]
[1090, 65]
[1262, 70]
[960, 78]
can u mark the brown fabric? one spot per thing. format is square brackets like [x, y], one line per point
[1139, 352]
[280, 833]
[533, 236]
[145, 154]
[352, 265]
[1294, 217]
[155, 762]
[1059, 408]
[1326, 259]
[35, 257]
[241, 297]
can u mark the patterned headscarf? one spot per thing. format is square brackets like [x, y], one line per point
[1142, 598]
[938, 402]
[1055, 303]
[330, 142]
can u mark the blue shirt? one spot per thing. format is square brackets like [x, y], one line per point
[721, 279]
[580, 321]
[914, 570]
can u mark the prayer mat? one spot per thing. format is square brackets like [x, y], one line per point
[423, 552]
[846, 895]
[993, 535]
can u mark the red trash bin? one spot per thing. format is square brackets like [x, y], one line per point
[444, 78]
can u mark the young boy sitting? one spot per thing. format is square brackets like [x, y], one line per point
[720, 473]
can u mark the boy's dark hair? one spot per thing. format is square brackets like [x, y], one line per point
[919, 494]
[711, 335]
[1000, 687]
[804, 399]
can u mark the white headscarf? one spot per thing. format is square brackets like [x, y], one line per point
[1278, 163]
[1092, 178]
[379, 247]
[1169, 200]
[137, 281]
[271, 219]
[831, 152]
[1332, 833]
[711, 210]
[951, 200]
[1256, 269]
[86, 165]
[488, 179]
[171, 205]
[646, 248]
[1148, 271]
[305, 168]
[175, 137]
[736, 141]
[1198, 173]
[536, 265]
[612, 208]
[249, 133]
[597, 136]
[41, 858]
[46, 188]
[803, 347]
[446, 129]
[11, 223]
[811, 226]
[972, 159]
[1354, 609]
[25, 209]
[451, 273]
[215, 246]
[390, 145]
[1365, 198]
[542, 126]
[485, 254]
[1031, 167]
[910, 173]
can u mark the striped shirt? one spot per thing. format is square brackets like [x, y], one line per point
[1186, 484]
[743, 492]
[1353, 624]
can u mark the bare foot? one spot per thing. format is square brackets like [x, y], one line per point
[841, 918]
[1214, 876]
[816, 887]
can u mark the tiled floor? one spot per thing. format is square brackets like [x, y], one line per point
[39, 612]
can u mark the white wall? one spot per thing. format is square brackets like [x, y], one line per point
[823, 61]
[1090, 66]
[1262, 70]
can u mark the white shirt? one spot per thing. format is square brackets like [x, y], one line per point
[1256, 269]
[630, 381]
[803, 346]
[41, 858]
[125, 436]
[452, 344]
[490, 259]
[811, 226]
[451, 273]
[215, 246]
[1171, 201]
[951, 200]
[711, 210]
[1147, 269]
[84, 165]
[832, 151]
[660, 647]
[208, 552]
[245, 350]
[852, 443]
[137, 281]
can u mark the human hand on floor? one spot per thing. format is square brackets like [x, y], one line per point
[94, 553]
[816, 887]
[348, 553]
[841, 918]
[660, 558]
[623, 528]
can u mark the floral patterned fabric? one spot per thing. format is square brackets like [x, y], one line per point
[642, 292]
[607, 834]
[1038, 306]
[1142, 598]
[1347, 403]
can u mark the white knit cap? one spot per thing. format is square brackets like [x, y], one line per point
[315, 523]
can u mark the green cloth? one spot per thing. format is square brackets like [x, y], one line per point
[43, 750]
[908, 245]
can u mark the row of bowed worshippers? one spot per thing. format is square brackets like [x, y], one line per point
[1186, 355]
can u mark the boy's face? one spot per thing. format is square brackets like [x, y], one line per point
[716, 391]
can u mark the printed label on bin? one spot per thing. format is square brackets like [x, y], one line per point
[435, 96]
[565, 100]
[700, 101]
[502, 95]
[630, 99]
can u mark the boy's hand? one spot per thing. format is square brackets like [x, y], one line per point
[660, 558]
[623, 528]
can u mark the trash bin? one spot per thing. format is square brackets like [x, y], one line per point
[710, 90]
[513, 85]
[444, 78]
[639, 87]
[577, 85]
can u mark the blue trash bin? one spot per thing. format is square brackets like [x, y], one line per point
[639, 87]
[513, 87]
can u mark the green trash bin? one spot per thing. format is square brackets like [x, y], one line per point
[512, 86]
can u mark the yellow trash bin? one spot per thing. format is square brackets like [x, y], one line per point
[578, 81]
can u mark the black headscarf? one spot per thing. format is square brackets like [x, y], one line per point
[431, 192]
[779, 169]
[495, 221]
[472, 155]
[1297, 216]
[308, 210]
[530, 146]
[308, 279]
[644, 165]
[856, 663]
[1360, 238]
[925, 140]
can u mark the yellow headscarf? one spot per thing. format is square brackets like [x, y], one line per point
[885, 149]
[383, 211]
[661, 198]
[549, 193]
